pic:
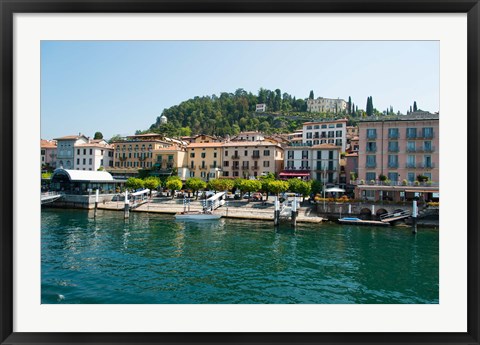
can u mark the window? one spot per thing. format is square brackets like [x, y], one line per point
[202, 174]
[427, 132]
[290, 154]
[371, 133]
[428, 175]
[411, 176]
[411, 146]
[309, 127]
[266, 152]
[427, 162]
[427, 146]
[192, 173]
[393, 161]
[338, 134]
[309, 135]
[371, 146]
[371, 161]
[393, 176]
[338, 142]
[225, 173]
[369, 176]
[330, 154]
[78, 151]
[331, 125]
[203, 155]
[225, 163]
[226, 153]
[89, 161]
[266, 164]
[235, 174]
[393, 146]
[410, 161]
[339, 125]
[393, 133]
[192, 166]
[245, 153]
[90, 151]
[324, 126]
[78, 160]
[316, 127]
[192, 154]
[84, 151]
[331, 134]
[304, 154]
[214, 155]
[319, 154]
[411, 133]
[84, 161]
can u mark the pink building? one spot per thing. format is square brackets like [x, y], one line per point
[399, 151]
[48, 153]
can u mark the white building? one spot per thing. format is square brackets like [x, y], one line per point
[327, 105]
[93, 154]
[249, 136]
[65, 150]
[260, 108]
[325, 132]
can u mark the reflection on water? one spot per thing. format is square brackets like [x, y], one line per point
[152, 259]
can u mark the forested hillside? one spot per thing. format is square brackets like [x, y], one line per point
[230, 113]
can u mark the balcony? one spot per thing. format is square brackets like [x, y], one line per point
[235, 157]
[371, 165]
[192, 167]
[256, 156]
[426, 166]
[393, 165]
[426, 149]
[426, 136]
[393, 136]
[411, 165]
[202, 167]
[411, 149]
[213, 166]
[245, 167]
[371, 150]
[393, 149]
[372, 136]
[255, 167]
[396, 183]
[235, 167]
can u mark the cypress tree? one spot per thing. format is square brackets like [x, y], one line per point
[350, 105]
[414, 105]
[311, 96]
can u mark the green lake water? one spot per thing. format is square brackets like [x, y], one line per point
[152, 259]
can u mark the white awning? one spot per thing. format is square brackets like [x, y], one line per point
[140, 192]
[335, 190]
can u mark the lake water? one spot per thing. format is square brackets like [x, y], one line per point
[154, 259]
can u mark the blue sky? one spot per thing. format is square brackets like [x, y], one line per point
[117, 87]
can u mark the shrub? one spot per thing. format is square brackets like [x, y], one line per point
[404, 182]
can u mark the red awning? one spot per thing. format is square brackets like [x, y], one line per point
[294, 174]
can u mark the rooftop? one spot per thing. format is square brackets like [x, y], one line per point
[417, 115]
[84, 175]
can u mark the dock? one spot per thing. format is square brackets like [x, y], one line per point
[357, 221]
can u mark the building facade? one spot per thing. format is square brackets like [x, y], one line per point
[251, 158]
[66, 150]
[401, 148]
[326, 132]
[327, 105]
[170, 161]
[93, 155]
[48, 154]
[204, 160]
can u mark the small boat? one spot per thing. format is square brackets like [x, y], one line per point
[197, 216]
[358, 221]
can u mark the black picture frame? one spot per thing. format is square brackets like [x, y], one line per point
[9, 8]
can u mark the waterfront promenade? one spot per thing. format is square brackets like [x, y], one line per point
[235, 209]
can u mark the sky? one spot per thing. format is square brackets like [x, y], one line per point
[118, 87]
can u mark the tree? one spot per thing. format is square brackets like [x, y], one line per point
[173, 184]
[195, 184]
[252, 186]
[415, 106]
[217, 184]
[311, 96]
[116, 137]
[101, 169]
[349, 105]
[134, 183]
[316, 187]
[299, 187]
[151, 183]
[370, 109]
[278, 187]
[98, 136]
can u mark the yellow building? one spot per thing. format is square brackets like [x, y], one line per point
[170, 160]
[204, 160]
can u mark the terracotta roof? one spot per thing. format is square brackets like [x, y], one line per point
[195, 145]
[103, 146]
[145, 135]
[170, 148]
[71, 137]
[326, 146]
[250, 143]
[47, 144]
